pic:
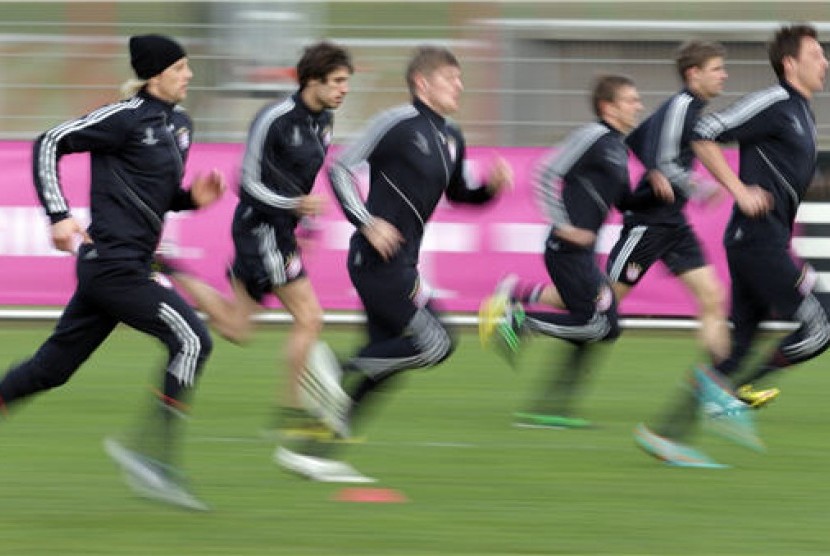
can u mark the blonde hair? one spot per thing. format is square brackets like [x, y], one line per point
[131, 86]
[425, 60]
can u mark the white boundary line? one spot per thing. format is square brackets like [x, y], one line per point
[419, 444]
[281, 317]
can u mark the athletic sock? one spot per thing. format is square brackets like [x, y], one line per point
[287, 417]
[679, 420]
[561, 390]
[366, 392]
[776, 362]
[528, 293]
[157, 435]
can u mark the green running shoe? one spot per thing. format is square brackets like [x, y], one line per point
[540, 421]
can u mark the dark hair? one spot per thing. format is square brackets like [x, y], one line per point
[425, 60]
[320, 59]
[787, 43]
[606, 88]
[695, 54]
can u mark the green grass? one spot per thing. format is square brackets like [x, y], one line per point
[476, 486]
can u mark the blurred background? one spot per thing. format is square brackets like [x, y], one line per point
[476, 486]
[528, 65]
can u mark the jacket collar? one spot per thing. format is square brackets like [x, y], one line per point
[692, 94]
[297, 97]
[611, 128]
[793, 91]
[431, 114]
[147, 96]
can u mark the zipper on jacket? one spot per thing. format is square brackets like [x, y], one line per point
[173, 146]
[155, 220]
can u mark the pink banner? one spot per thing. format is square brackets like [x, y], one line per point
[465, 252]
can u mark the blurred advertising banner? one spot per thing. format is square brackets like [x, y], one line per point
[466, 250]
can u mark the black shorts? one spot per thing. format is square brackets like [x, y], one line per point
[583, 287]
[266, 256]
[640, 246]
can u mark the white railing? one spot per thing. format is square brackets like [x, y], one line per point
[526, 80]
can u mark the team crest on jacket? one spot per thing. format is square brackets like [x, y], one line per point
[421, 143]
[617, 158]
[452, 146]
[326, 135]
[149, 138]
[797, 127]
[183, 138]
[296, 137]
[632, 271]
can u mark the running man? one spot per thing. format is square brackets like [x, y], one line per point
[416, 156]
[286, 147]
[138, 148]
[776, 135]
[577, 184]
[659, 231]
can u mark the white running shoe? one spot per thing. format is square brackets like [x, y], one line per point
[319, 469]
[321, 393]
[150, 479]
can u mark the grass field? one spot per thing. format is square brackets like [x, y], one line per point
[475, 485]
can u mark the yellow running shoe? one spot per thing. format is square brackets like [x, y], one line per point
[501, 313]
[490, 316]
[756, 399]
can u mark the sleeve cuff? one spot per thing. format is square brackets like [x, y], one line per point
[58, 216]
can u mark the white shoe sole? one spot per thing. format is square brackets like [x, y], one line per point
[147, 483]
[319, 469]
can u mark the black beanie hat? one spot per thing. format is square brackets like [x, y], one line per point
[152, 54]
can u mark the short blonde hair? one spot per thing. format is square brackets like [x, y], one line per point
[425, 60]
